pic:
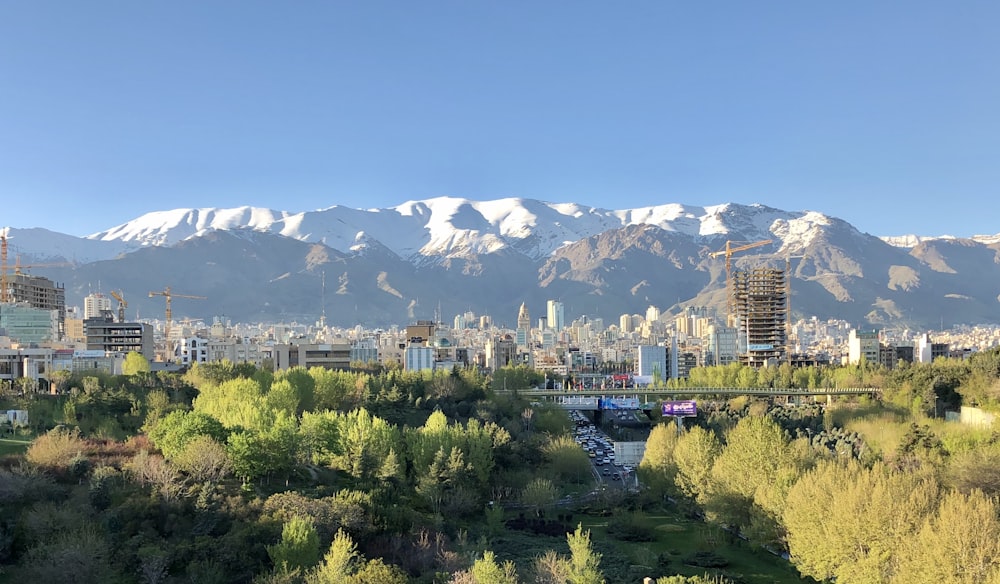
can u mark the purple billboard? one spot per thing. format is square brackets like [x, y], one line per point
[680, 408]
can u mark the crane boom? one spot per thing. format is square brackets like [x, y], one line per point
[3, 265]
[122, 305]
[168, 295]
[728, 252]
[5, 289]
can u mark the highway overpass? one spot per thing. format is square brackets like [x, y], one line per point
[586, 399]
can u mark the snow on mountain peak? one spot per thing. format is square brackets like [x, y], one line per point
[910, 241]
[170, 227]
[456, 227]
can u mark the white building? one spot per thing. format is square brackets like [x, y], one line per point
[863, 344]
[93, 304]
[555, 315]
[192, 350]
[419, 358]
[651, 360]
[722, 344]
[234, 350]
[922, 349]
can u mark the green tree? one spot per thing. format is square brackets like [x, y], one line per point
[339, 562]
[248, 455]
[363, 443]
[303, 385]
[751, 477]
[978, 468]
[657, 468]
[487, 570]
[377, 572]
[539, 493]
[567, 461]
[237, 403]
[584, 563]
[298, 548]
[172, 433]
[134, 363]
[694, 457]
[204, 460]
[282, 397]
[959, 544]
[318, 437]
[850, 523]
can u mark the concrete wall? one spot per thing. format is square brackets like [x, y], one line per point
[975, 417]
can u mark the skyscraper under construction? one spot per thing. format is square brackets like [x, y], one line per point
[760, 304]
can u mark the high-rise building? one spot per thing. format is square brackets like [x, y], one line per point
[625, 323]
[27, 324]
[523, 327]
[863, 345]
[760, 305]
[652, 314]
[651, 361]
[95, 305]
[500, 352]
[38, 292]
[722, 344]
[104, 334]
[555, 315]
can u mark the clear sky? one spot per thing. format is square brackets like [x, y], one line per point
[883, 113]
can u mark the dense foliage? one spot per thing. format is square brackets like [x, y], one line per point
[234, 474]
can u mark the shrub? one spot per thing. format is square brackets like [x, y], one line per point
[57, 449]
[706, 560]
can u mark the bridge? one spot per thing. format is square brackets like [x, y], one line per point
[587, 399]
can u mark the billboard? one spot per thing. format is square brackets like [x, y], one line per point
[629, 453]
[680, 408]
[619, 403]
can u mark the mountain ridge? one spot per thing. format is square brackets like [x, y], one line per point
[383, 266]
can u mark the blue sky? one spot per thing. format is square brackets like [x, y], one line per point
[882, 113]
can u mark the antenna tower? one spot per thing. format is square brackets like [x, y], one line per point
[322, 300]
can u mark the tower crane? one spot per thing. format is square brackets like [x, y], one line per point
[122, 305]
[728, 252]
[3, 266]
[5, 292]
[788, 301]
[18, 266]
[166, 293]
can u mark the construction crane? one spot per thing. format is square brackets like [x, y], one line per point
[728, 252]
[5, 292]
[166, 293]
[788, 303]
[18, 266]
[122, 305]
[3, 266]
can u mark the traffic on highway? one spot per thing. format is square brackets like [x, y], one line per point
[600, 447]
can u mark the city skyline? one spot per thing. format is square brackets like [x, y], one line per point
[867, 113]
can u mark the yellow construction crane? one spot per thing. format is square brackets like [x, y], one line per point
[122, 305]
[166, 293]
[728, 252]
[5, 293]
[18, 266]
[3, 267]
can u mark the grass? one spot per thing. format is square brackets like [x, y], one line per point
[9, 446]
[678, 538]
[883, 429]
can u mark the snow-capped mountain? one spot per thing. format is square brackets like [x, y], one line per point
[388, 266]
[911, 241]
[449, 227]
